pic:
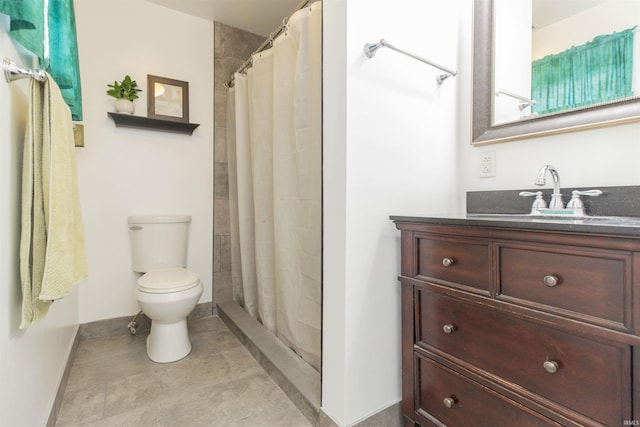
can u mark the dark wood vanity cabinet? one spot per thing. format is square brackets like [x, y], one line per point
[519, 327]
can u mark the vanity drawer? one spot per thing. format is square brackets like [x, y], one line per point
[585, 285]
[453, 261]
[586, 376]
[455, 400]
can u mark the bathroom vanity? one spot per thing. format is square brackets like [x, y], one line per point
[519, 322]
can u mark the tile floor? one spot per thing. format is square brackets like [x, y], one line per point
[113, 383]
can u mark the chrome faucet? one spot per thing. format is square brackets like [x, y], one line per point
[575, 207]
[556, 197]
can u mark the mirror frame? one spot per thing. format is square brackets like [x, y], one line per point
[483, 132]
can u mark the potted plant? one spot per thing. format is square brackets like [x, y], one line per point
[124, 92]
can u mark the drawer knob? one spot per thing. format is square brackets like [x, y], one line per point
[448, 262]
[448, 402]
[550, 280]
[448, 328]
[550, 366]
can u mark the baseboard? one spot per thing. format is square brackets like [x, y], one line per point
[390, 416]
[299, 381]
[62, 385]
[118, 326]
[326, 421]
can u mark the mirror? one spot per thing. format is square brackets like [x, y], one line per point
[485, 129]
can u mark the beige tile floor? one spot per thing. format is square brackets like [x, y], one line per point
[113, 383]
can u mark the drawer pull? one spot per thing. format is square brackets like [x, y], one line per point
[448, 262]
[448, 328]
[448, 402]
[550, 280]
[550, 366]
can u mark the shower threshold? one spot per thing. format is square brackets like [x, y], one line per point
[299, 381]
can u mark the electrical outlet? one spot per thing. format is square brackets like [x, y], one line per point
[487, 164]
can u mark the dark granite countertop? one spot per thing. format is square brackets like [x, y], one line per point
[619, 226]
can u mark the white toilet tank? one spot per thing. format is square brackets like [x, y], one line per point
[158, 241]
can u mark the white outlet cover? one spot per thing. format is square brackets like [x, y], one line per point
[487, 164]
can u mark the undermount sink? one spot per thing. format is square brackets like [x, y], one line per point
[621, 221]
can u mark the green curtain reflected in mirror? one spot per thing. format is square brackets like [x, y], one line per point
[58, 52]
[595, 72]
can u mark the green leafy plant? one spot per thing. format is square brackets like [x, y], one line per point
[127, 89]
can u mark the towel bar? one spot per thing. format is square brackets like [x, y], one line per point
[13, 72]
[371, 48]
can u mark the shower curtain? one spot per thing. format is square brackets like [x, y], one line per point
[274, 155]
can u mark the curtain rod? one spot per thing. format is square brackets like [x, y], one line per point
[268, 42]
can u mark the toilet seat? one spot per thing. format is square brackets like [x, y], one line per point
[168, 280]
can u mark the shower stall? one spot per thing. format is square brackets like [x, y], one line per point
[274, 165]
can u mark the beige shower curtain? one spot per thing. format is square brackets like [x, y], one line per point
[274, 150]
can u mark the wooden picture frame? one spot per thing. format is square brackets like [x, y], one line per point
[167, 99]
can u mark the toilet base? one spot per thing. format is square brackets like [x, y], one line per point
[168, 342]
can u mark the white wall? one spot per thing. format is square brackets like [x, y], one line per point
[593, 158]
[125, 171]
[512, 57]
[32, 361]
[389, 148]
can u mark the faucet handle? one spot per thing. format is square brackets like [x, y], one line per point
[530, 193]
[592, 193]
[538, 202]
[576, 202]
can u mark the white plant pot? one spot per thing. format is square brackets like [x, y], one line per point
[124, 106]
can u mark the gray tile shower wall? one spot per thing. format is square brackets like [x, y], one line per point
[232, 47]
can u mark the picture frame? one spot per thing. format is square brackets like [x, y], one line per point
[167, 99]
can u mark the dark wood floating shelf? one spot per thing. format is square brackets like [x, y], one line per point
[129, 121]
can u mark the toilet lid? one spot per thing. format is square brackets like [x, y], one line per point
[167, 280]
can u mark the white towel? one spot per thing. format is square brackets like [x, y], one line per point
[52, 251]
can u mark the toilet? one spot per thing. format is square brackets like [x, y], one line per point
[167, 292]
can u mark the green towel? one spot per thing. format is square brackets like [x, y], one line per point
[52, 251]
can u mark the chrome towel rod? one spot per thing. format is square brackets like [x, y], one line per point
[13, 72]
[525, 102]
[371, 48]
